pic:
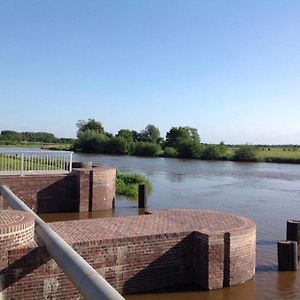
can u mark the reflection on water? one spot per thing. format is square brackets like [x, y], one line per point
[267, 193]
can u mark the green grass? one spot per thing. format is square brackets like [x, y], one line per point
[14, 164]
[278, 152]
[127, 184]
[271, 154]
[280, 155]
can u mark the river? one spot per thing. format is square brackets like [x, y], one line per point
[267, 193]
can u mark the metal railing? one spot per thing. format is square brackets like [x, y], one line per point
[35, 162]
[87, 280]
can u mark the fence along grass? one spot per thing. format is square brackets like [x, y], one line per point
[34, 162]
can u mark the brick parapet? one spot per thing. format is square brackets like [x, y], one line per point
[85, 189]
[43, 193]
[16, 229]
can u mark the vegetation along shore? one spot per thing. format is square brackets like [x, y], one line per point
[179, 142]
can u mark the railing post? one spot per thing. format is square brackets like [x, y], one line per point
[70, 163]
[1, 206]
[22, 164]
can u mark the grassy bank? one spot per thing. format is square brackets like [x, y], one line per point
[278, 154]
[46, 146]
[127, 184]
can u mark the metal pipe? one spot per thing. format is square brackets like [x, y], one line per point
[89, 283]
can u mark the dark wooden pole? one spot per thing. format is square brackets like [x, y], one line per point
[142, 196]
[293, 232]
[287, 256]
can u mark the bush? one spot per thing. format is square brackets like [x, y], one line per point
[212, 152]
[91, 141]
[170, 152]
[116, 145]
[189, 149]
[127, 184]
[245, 153]
[146, 149]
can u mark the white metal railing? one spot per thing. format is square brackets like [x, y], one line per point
[35, 162]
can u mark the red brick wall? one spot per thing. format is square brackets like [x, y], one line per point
[32, 275]
[103, 188]
[44, 193]
[82, 190]
[16, 229]
[133, 262]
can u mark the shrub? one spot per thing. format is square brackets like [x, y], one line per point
[189, 149]
[146, 149]
[127, 184]
[245, 153]
[116, 145]
[91, 141]
[170, 152]
[211, 152]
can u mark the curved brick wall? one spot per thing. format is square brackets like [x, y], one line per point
[104, 188]
[166, 248]
[16, 228]
[135, 254]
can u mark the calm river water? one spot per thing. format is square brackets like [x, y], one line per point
[267, 193]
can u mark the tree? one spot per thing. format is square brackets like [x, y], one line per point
[150, 134]
[116, 145]
[11, 135]
[126, 134]
[90, 124]
[91, 141]
[178, 135]
[135, 135]
[189, 149]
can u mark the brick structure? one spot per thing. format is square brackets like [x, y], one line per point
[16, 229]
[85, 189]
[142, 253]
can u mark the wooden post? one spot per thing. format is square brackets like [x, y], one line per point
[293, 232]
[287, 256]
[142, 196]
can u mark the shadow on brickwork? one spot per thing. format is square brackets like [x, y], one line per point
[173, 269]
[61, 196]
[22, 267]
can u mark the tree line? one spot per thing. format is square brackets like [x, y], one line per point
[179, 142]
[13, 137]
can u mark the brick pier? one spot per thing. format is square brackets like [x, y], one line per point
[85, 189]
[141, 253]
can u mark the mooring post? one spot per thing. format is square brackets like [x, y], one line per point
[287, 256]
[293, 232]
[142, 196]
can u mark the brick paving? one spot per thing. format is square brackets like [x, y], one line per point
[156, 223]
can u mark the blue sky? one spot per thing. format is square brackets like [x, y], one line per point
[231, 69]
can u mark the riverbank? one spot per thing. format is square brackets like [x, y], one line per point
[270, 154]
[289, 155]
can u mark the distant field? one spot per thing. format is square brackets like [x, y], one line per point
[293, 153]
[273, 154]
